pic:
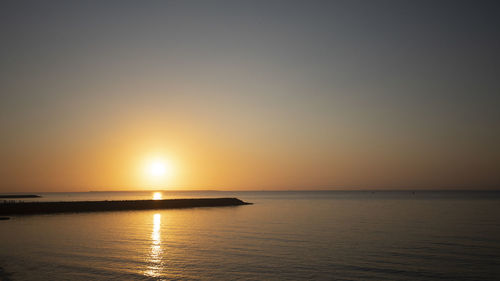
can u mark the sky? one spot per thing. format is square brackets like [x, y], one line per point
[249, 95]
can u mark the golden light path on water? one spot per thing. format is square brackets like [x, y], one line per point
[155, 263]
[157, 196]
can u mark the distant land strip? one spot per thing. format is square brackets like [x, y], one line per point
[20, 196]
[32, 208]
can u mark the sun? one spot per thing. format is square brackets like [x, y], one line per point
[158, 169]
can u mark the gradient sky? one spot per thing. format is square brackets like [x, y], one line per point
[250, 94]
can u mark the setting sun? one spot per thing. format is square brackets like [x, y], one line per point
[157, 170]
[251, 139]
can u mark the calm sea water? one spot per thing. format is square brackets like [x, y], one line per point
[283, 236]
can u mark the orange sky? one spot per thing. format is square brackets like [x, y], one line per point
[331, 95]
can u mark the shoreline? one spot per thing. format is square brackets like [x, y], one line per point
[34, 208]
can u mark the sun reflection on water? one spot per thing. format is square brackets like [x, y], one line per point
[155, 263]
[157, 196]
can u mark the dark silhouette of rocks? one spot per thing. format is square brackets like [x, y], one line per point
[20, 196]
[31, 208]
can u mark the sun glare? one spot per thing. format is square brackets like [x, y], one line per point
[157, 196]
[157, 171]
[157, 168]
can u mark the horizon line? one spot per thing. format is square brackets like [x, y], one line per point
[270, 190]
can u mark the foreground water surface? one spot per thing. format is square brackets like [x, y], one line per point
[283, 236]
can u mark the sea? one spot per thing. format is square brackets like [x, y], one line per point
[284, 235]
